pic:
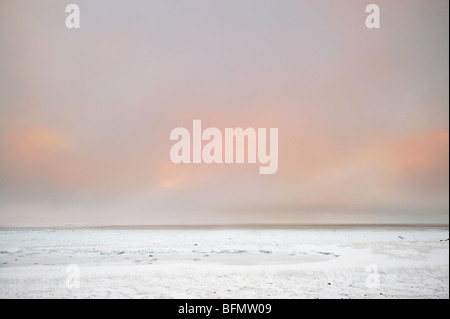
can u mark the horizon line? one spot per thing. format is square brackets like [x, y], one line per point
[233, 226]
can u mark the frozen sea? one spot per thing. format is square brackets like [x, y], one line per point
[224, 263]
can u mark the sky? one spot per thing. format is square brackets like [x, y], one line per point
[86, 114]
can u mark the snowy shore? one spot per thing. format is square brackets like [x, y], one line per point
[228, 263]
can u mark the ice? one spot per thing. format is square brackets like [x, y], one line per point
[228, 263]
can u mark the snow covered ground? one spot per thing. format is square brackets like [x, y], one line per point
[228, 263]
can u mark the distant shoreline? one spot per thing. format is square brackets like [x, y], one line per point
[241, 226]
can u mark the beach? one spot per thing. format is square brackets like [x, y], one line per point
[401, 262]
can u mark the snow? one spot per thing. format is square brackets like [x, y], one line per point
[228, 263]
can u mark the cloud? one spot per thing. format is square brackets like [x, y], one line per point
[420, 161]
[85, 115]
[36, 145]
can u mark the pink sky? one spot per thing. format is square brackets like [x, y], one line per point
[85, 115]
